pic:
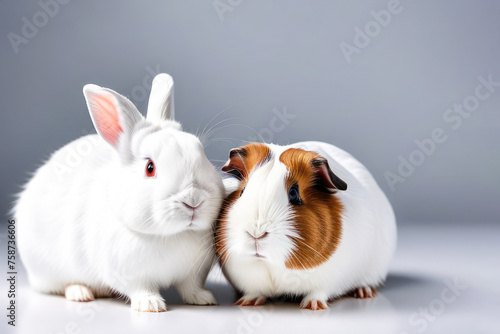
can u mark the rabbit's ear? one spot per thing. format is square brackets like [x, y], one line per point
[161, 100]
[113, 115]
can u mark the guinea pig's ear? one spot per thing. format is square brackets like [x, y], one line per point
[236, 163]
[161, 99]
[325, 177]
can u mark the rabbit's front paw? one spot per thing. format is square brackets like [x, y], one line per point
[148, 303]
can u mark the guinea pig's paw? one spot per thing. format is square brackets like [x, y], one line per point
[365, 292]
[314, 303]
[200, 297]
[78, 293]
[250, 300]
[148, 303]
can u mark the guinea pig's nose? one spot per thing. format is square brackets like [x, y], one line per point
[263, 235]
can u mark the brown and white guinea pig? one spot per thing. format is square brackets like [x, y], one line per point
[307, 220]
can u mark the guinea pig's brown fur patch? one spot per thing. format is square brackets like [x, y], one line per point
[319, 217]
[241, 161]
[220, 236]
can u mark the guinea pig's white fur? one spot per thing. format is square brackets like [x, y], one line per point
[360, 262]
[91, 223]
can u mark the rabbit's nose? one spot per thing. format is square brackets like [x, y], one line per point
[192, 207]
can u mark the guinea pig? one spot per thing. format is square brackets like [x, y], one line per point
[307, 219]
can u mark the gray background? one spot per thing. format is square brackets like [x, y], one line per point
[267, 55]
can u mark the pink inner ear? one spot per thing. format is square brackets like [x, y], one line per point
[105, 113]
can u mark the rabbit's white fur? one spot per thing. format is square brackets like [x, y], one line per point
[91, 222]
[362, 258]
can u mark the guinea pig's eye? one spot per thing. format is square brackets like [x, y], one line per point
[242, 190]
[293, 195]
[150, 168]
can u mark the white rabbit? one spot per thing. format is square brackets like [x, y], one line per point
[128, 211]
[308, 220]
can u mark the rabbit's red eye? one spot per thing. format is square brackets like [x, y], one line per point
[150, 168]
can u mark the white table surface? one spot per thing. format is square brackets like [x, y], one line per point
[428, 255]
